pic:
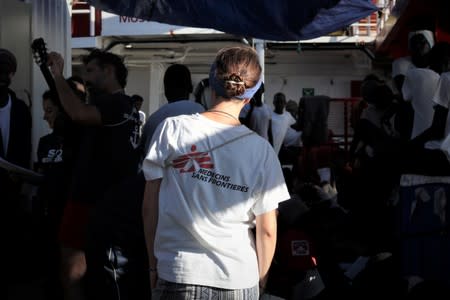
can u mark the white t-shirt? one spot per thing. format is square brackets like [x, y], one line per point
[141, 121]
[293, 138]
[401, 66]
[419, 87]
[215, 179]
[141, 117]
[442, 97]
[5, 117]
[260, 120]
[280, 124]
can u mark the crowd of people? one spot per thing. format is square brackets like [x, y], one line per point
[107, 177]
[218, 201]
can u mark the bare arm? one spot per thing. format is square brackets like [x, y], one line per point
[150, 220]
[76, 109]
[266, 238]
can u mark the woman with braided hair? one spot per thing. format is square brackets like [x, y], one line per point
[210, 203]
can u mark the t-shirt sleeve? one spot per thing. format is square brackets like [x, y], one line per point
[442, 95]
[273, 189]
[400, 66]
[268, 111]
[407, 87]
[291, 119]
[154, 162]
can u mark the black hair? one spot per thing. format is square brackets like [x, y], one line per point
[48, 95]
[177, 82]
[136, 98]
[279, 102]
[257, 97]
[279, 97]
[8, 60]
[372, 76]
[104, 58]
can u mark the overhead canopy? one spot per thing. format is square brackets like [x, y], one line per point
[279, 20]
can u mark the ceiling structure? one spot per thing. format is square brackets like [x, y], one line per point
[196, 49]
[282, 20]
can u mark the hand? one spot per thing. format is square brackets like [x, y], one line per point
[56, 63]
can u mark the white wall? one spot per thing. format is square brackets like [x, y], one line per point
[138, 83]
[20, 23]
[51, 21]
[147, 82]
[15, 35]
[328, 72]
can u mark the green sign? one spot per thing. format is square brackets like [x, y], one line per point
[308, 91]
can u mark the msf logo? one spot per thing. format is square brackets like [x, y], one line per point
[193, 161]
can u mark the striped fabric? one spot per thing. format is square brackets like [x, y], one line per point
[177, 291]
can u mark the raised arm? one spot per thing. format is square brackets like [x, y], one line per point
[76, 109]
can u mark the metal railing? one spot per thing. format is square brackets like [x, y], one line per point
[340, 120]
[374, 23]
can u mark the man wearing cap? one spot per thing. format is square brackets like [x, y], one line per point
[420, 43]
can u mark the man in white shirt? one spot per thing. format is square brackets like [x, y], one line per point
[428, 153]
[281, 121]
[420, 43]
[418, 88]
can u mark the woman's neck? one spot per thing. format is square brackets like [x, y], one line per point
[226, 112]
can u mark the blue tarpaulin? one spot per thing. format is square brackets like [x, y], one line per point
[277, 20]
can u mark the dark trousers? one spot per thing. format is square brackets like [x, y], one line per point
[116, 274]
[116, 255]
